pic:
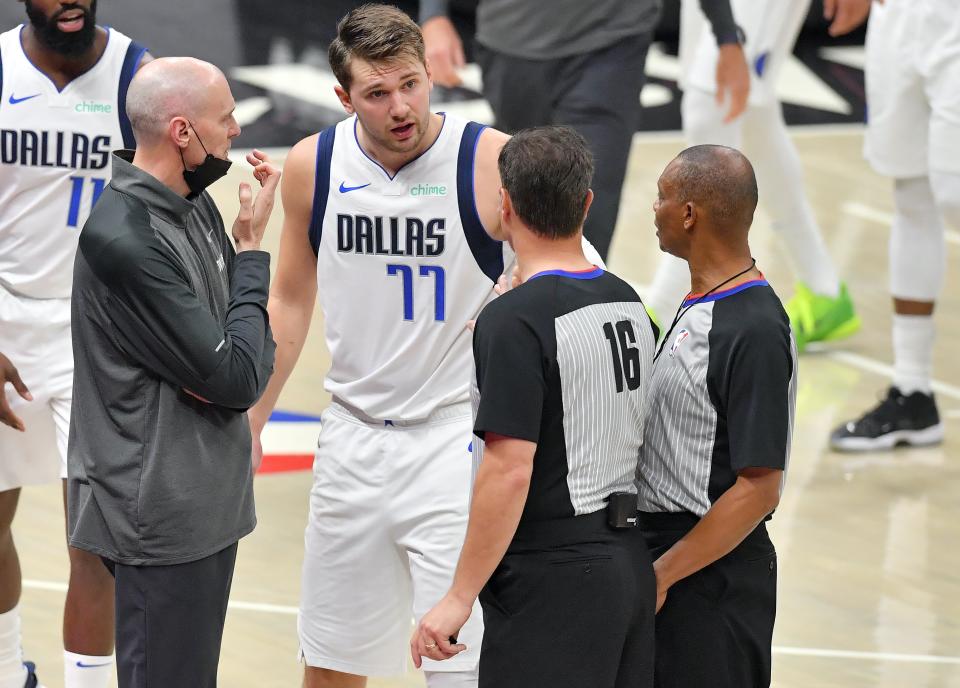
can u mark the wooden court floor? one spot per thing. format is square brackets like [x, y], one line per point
[869, 593]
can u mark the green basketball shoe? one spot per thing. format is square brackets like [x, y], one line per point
[816, 318]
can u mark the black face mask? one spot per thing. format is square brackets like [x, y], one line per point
[66, 44]
[206, 173]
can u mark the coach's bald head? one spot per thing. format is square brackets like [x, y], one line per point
[709, 190]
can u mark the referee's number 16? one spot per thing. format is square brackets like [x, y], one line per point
[626, 356]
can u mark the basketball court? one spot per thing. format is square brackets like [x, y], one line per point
[869, 594]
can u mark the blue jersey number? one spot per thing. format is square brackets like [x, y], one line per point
[76, 192]
[439, 283]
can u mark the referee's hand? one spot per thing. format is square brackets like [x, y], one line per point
[433, 635]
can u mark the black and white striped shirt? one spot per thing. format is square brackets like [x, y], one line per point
[564, 360]
[722, 399]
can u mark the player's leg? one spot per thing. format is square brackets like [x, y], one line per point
[598, 94]
[821, 309]
[519, 91]
[354, 616]
[908, 413]
[432, 478]
[13, 674]
[88, 620]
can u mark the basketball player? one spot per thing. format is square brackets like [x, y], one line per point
[821, 308]
[63, 82]
[395, 210]
[913, 135]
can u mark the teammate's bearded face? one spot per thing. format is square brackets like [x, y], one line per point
[392, 102]
[67, 29]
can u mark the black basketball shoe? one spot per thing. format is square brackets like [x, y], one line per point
[32, 680]
[899, 419]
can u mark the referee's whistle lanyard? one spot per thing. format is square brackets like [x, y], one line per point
[683, 309]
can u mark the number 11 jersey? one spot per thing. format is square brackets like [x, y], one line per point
[55, 159]
[403, 262]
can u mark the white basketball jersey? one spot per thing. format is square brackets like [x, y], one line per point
[55, 159]
[403, 263]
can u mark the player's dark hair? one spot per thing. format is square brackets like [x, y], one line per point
[722, 180]
[375, 33]
[547, 172]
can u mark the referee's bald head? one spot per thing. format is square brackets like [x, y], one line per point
[719, 181]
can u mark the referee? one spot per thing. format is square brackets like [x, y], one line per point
[717, 440]
[562, 371]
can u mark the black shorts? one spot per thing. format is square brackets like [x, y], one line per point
[716, 627]
[570, 607]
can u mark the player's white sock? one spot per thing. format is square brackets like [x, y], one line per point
[451, 679]
[913, 352]
[12, 672]
[86, 671]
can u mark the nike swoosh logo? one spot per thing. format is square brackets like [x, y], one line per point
[14, 101]
[91, 666]
[345, 189]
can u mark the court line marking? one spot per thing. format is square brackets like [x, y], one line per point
[826, 653]
[871, 365]
[866, 212]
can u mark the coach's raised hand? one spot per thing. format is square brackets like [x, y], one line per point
[252, 219]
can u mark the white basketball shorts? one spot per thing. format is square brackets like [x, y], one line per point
[388, 515]
[35, 336]
[913, 87]
[771, 28]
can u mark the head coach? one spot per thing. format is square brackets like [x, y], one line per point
[562, 371]
[717, 440]
[172, 345]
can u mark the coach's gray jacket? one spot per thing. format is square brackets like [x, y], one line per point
[171, 345]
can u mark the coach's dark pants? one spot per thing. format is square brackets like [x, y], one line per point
[170, 621]
[598, 94]
[716, 627]
[570, 606]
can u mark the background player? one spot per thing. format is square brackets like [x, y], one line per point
[395, 210]
[821, 308]
[576, 63]
[63, 82]
[913, 135]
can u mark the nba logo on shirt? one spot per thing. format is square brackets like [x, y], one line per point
[681, 335]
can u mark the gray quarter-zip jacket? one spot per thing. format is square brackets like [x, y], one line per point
[171, 346]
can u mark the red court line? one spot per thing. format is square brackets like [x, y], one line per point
[286, 463]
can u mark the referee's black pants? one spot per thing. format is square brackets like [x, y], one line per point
[716, 627]
[570, 606]
[170, 621]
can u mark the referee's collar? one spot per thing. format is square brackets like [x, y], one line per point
[717, 295]
[590, 274]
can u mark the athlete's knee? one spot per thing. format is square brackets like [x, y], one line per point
[8, 509]
[946, 193]
[917, 242]
[316, 677]
[703, 120]
[451, 679]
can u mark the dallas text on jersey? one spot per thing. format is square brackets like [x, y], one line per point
[390, 236]
[54, 149]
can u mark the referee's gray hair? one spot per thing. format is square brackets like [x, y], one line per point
[720, 179]
[166, 88]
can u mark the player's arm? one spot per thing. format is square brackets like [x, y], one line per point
[486, 180]
[845, 15]
[294, 289]
[444, 49]
[8, 373]
[733, 73]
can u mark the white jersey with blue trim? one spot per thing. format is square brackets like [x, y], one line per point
[55, 159]
[403, 263]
